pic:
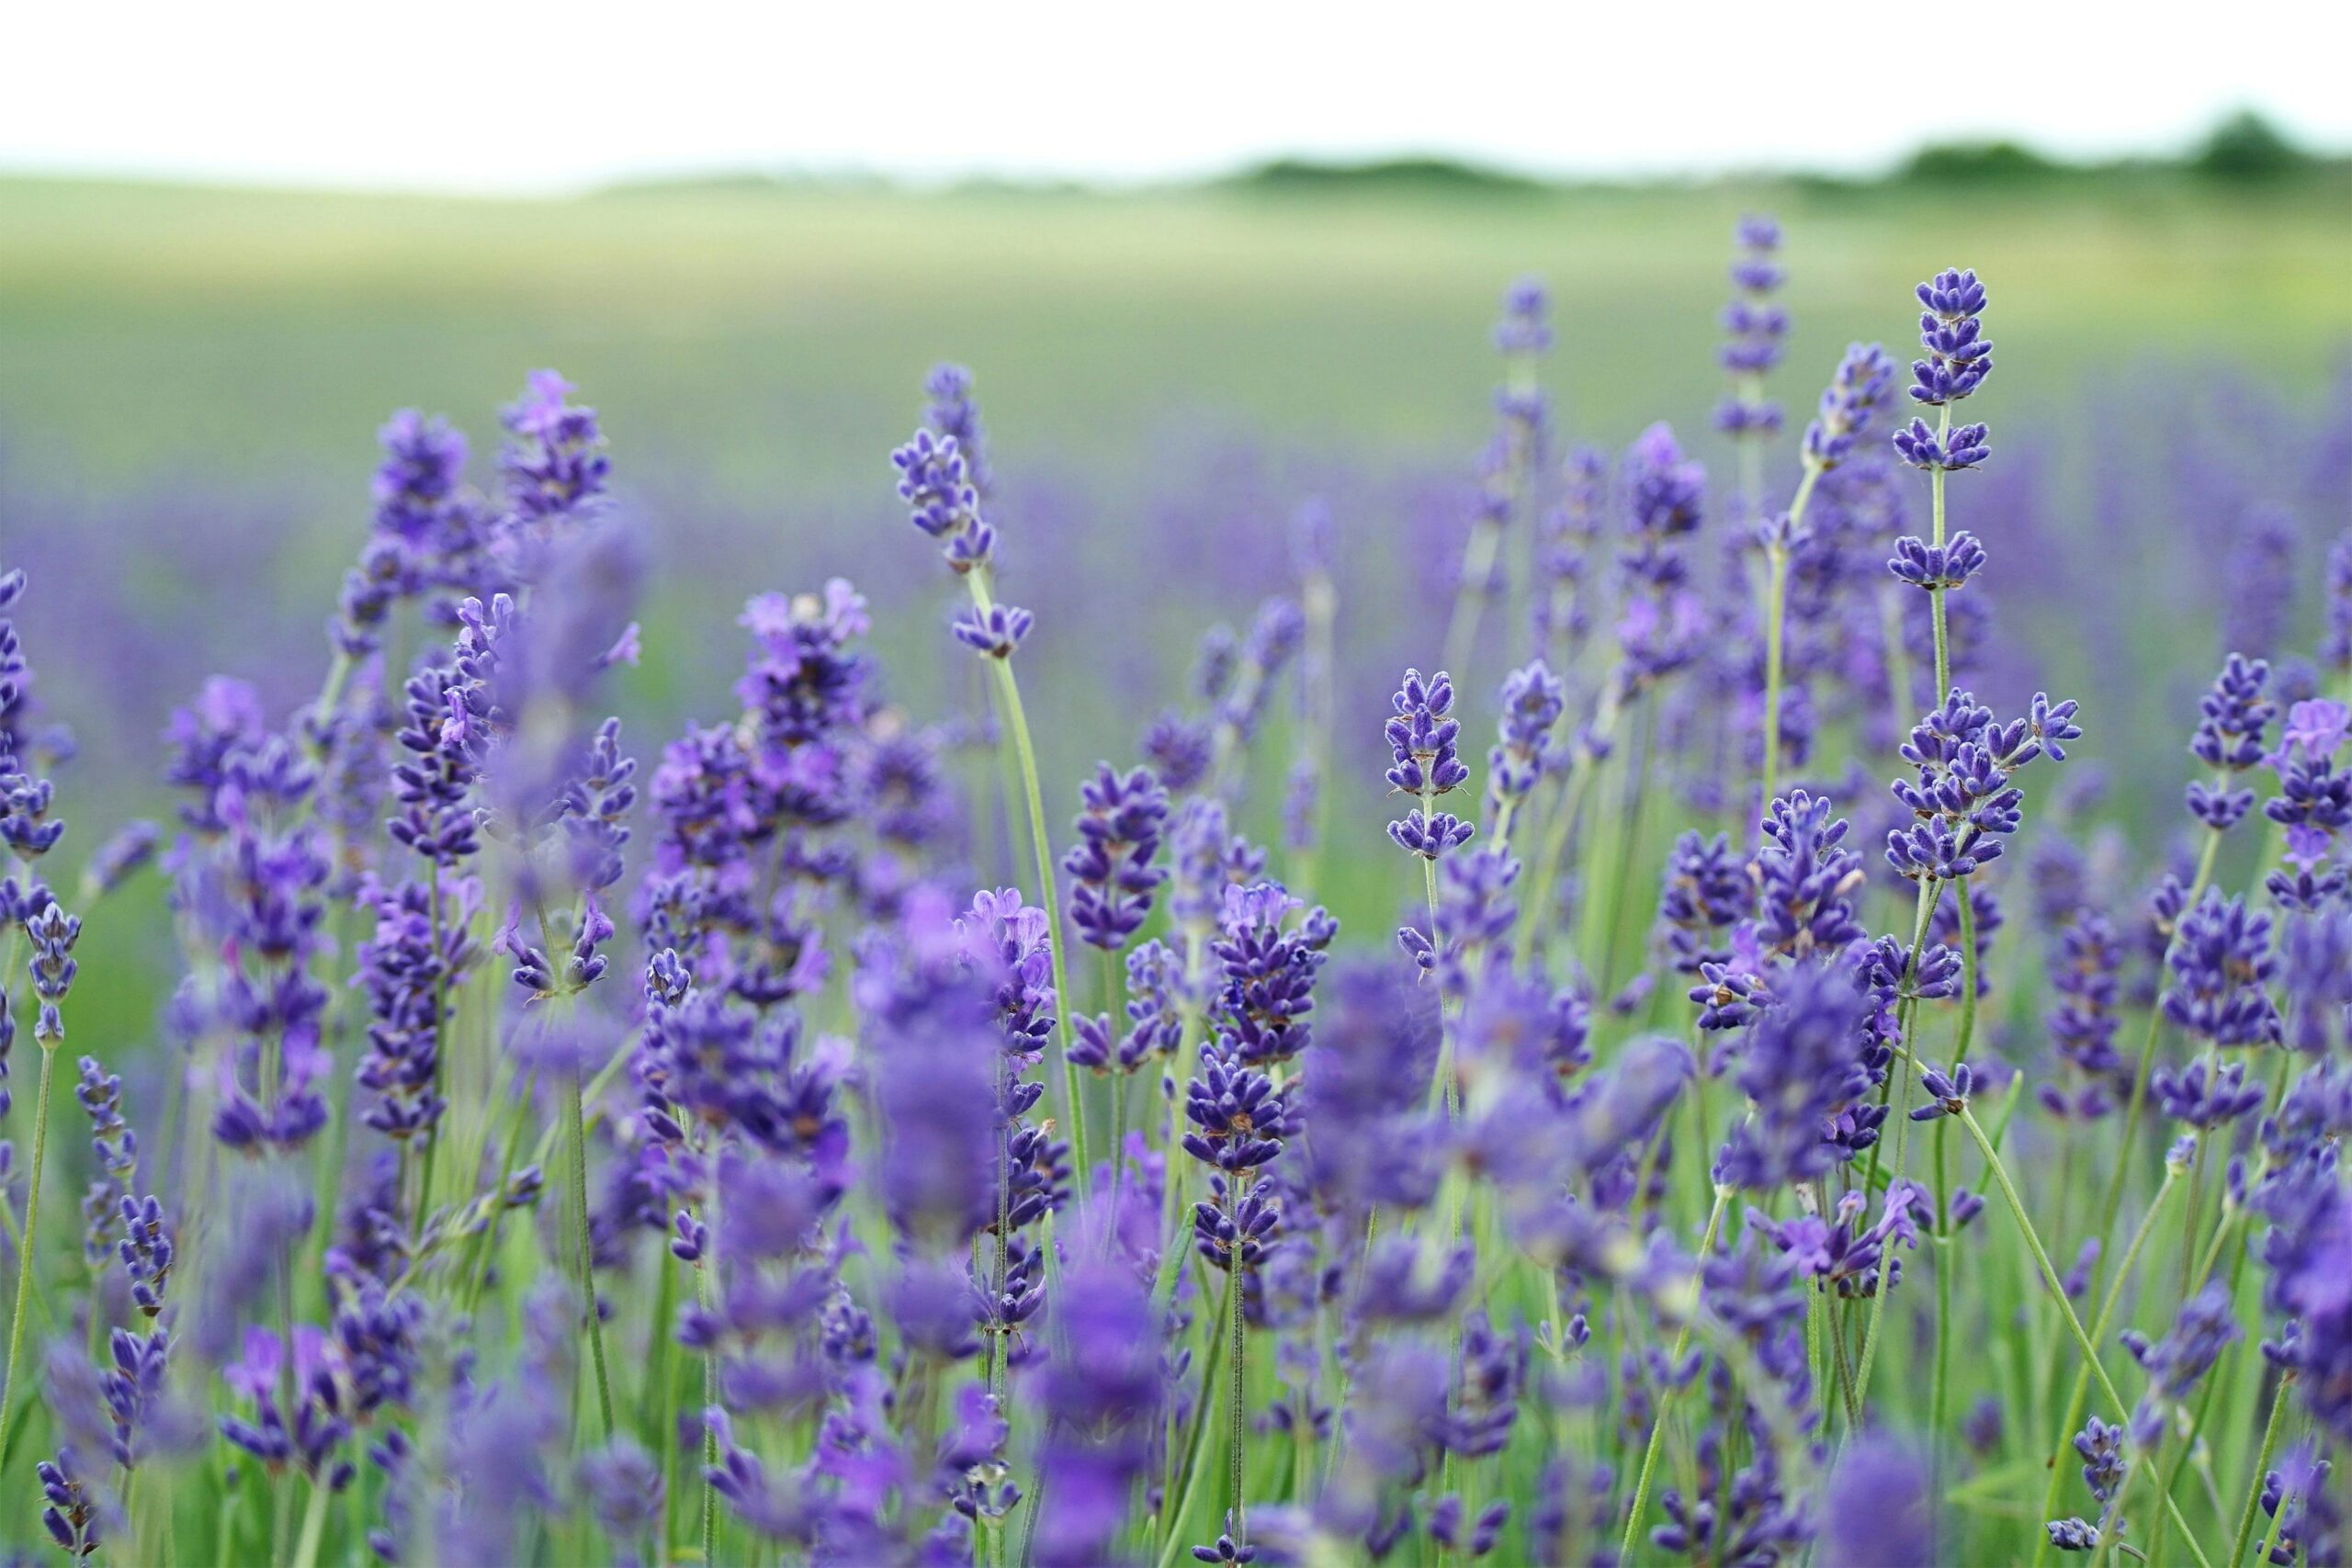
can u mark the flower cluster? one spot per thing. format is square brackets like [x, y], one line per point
[803, 1238]
[1754, 328]
[1957, 357]
[1961, 799]
[1426, 763]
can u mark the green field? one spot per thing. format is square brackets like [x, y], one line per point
[772, 337]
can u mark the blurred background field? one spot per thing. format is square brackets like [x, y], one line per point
[194, 376]
[768, 335]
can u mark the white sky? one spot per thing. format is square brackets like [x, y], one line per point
[497, 97]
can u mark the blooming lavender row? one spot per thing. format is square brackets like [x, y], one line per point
[794, 1144]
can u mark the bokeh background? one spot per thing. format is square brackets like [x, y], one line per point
[1189, 315]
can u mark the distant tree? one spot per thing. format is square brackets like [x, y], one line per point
[1980, 162]
[1413, 173]
[2246, 147]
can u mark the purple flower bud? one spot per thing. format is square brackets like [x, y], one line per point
[995, 633]
[1113, 877]
[1959, 357]
[1965, 447]
[1852, 396]
[1938, 569]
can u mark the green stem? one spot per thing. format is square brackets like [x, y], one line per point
[1941, 1380]
[1665, 1395]
[1176, 1499]
[2081, 1397]
[576, 1135]
[2139, 1097]
[2058, 1293]
[1065, 999]
[1776, 599]
[704, 1293]
[1630, 811]
[1470, 599]
[1906, 1010]
[998, 1346]
[1238, 1423]
[2277, 1519]
[440, 1065]
[2261, 1470]
[1899, 684]
[25, 1252]
[314, 1524]
[1441, 1081]
[1935, 595]
[658, 1404]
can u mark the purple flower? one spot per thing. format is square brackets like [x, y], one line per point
[1423, 737]
[2223, 962]
[1100, 1391]
[1239, 1118]
[1113, 877]
[2189, 1350]
[1706, 892]
[1938, 569]
[2258, 582]
[24, 799]
[1533, 701]
[1964, 446]
[409, 968]
[622, 1486]
[53, 933]
[1877, 1508]
[1799, 1067]
[1562, 551]
[2101, 1446]
[935, 482]
[1957, 355]
[1961, 799]
[554, 461]
[2204, 1097]
[1267, 967]
[2318, 727]
[955, 417]
[2228, 740]
[1753, 326]
[1664, 497]
[70, 1507]
[1523, 329]
[2335, 647]
[115, 1149]
[1178, 748]
[2082, 1026]
[2310, 1520]
[1947, 1092]
[1364, 1081]
[1430, 836]
[1805, 878]
[993, 633]
[1852, 396]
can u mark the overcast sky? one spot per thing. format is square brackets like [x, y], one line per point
[490, 96]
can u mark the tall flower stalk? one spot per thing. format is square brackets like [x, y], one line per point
[934, 480]
[29, 915]
[1847, 405]
[1509, 465]
[1956, 359]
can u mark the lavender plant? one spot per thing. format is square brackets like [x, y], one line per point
[548, 1156]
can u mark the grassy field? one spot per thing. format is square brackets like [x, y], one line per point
[771, 339]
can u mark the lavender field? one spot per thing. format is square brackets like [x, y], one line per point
[1313, 907]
